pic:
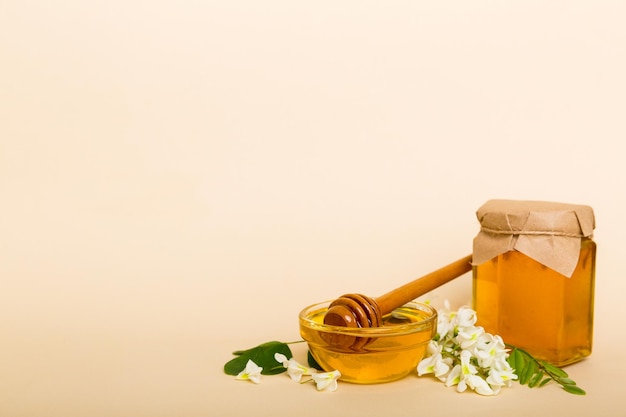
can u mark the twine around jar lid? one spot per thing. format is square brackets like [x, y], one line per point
[547, 232]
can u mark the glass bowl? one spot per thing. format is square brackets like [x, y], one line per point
[382, 354]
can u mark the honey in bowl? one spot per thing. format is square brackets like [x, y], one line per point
[391, 352]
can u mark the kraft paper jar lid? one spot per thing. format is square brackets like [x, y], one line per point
[548, 232]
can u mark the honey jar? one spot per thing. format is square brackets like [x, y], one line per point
[533, 276]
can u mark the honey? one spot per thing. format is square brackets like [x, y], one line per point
[530, 304]
[392, 352]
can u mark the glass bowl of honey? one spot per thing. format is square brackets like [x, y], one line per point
[370, 355]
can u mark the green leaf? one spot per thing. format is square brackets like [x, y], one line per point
[262, 355]
[565, 381]
[529, 370]
[511, 360]
[545, 381]
[554, 370]
[312, 362]
[519, 360]
[573, 389]
[536, 379]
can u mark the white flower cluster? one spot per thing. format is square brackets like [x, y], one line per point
[464, 355]
[324, 381]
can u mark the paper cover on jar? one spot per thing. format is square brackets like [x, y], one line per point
[548, 232]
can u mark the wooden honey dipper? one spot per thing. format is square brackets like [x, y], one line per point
[357, 310]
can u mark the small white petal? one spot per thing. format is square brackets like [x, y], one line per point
[426, 366]
[280, 358]
[454, 377]
[479, 385]
[466, 317]
[326, 381]
[252, 372]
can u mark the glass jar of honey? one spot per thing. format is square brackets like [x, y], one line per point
[533, 276]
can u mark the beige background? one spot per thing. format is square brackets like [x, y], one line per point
[179, 179]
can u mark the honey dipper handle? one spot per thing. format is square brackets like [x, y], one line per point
[414, 289]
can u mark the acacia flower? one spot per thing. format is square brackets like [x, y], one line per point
[491, 352]
[465, 356]
[326, 381]
[479, 385]
[294, 368]
[498, 379]
[445, 321]
[434, 364]
[469, 336]
[458, 375]
[466, 317]
[465, 375]
[252, 372]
